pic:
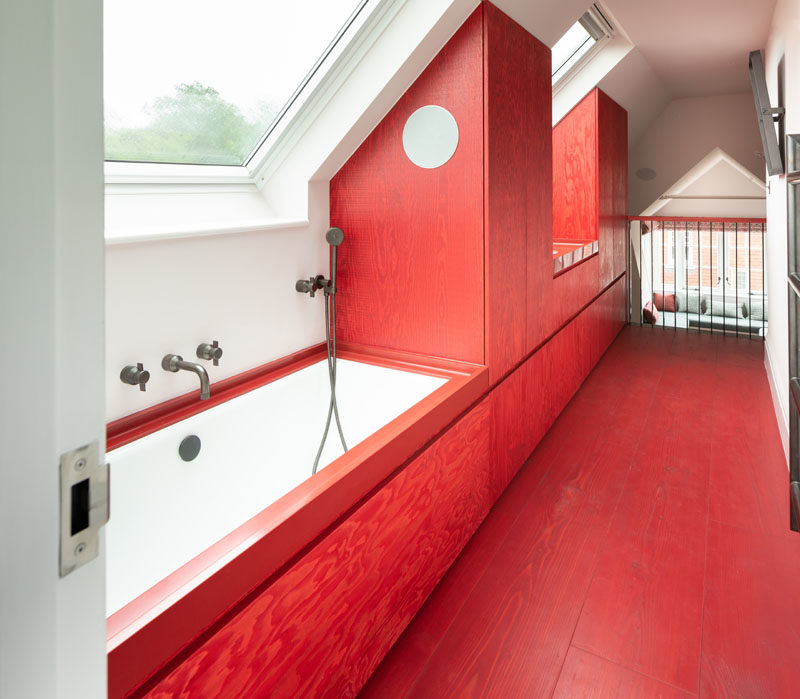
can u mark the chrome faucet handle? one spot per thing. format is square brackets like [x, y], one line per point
[306, 286]
[135, 376]
[212, 351]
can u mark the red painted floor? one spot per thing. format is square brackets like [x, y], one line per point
[643, 550]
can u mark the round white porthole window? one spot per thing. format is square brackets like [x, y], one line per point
[430, 136]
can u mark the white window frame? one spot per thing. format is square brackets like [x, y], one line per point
[595, 21]
[337, 61]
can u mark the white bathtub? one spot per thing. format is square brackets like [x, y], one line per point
[255, 448]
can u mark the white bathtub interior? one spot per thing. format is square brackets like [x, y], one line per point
[255, 448]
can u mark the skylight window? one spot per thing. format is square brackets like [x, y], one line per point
[204, 82]
[581, 38]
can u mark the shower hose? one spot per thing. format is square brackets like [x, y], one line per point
[330, 342]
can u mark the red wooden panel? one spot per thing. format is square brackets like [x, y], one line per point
[322, 627]
[510, 413]
[750, 638]
[612, 145]
[575, 188]
[514, 62]
[411, 266]
[571, 290]
[586, 675]
[589, 194]
[539, 210]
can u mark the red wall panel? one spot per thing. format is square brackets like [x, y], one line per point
[590, 165]
[323, 626]
[613, 186]
[517, 134]
[411, 266]
[575, 188]
[511, 419]
[539, 195]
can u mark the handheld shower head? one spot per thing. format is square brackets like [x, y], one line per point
[334, 236]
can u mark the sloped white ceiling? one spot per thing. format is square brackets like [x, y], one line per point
[716, 186]
[697, 47]
[547, 20]
[633, 84]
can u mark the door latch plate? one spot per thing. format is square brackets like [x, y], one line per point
[84, 506]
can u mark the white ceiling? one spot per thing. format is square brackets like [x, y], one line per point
[697, 47]
[684, 48]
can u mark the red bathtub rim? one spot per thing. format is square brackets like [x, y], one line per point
[150, 630]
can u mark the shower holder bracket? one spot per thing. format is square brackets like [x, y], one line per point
[84, 505]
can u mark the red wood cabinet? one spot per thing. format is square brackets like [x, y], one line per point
[435, 261]
[411, 266]
[590, 187]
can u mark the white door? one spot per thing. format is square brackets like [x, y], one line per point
[52, 629]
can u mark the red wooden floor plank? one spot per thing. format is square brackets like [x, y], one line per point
[748, 475]
[644, 607]
[751, 629]
[587, 676]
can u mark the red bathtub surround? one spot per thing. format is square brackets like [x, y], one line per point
[153, 628]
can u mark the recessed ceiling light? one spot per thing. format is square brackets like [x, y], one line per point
[646, 173]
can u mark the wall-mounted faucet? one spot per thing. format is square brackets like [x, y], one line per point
[175, 363]
[312, 285]
[212, 351]
[135, 376]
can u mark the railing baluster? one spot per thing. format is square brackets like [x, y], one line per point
[686, 268]
[723, 270]
[763, 289]
[674, 275]
[736, 243]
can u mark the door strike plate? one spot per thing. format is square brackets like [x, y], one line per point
[84, 506]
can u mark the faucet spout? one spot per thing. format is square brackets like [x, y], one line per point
[175, 363]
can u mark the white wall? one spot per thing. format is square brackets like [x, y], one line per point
[684, 133]
[783, 47]
[168, 296]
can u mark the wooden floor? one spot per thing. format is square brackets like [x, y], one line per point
[643, 550]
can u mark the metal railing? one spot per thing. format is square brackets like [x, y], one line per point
[701, 274]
